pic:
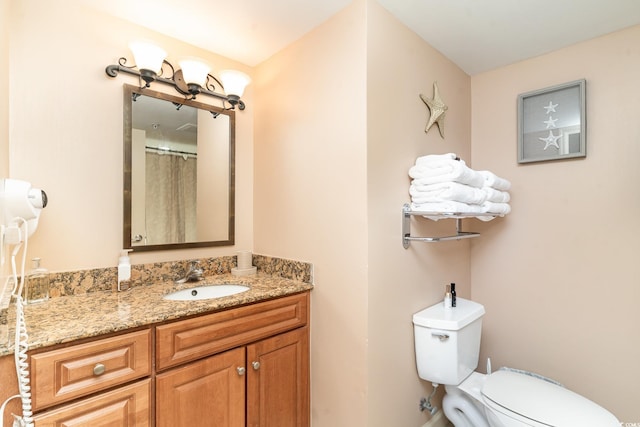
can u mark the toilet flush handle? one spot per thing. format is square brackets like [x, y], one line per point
[440, 335]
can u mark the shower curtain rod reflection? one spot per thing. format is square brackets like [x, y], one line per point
[170, 151]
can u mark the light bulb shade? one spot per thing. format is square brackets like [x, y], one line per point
[234, 82]
[148, 56]
[194, 72]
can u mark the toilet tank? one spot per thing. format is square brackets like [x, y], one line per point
[447, 342]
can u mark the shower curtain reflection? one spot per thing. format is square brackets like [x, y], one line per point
[170, 214]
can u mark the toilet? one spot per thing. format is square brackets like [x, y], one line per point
[447, 345]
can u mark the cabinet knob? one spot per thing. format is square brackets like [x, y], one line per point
[256, 365]
[241, 370]
[99, 369]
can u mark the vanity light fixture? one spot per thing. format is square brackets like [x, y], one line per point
[235, 82]
[192, 79]
[149, 58]
[194, 74]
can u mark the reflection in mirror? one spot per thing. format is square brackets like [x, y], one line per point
[178, 172]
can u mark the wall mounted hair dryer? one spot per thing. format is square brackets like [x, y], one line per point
[20, 207]
[18, 200]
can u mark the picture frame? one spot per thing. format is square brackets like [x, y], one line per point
[552, 123]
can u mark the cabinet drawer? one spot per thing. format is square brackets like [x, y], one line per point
[126, 406]
[67, 373]
[191, 339]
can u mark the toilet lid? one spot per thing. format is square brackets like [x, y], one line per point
[543, 401]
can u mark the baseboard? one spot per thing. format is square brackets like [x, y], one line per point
[438, 420]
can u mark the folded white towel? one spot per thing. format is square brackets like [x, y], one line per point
[447, 191]
[492, 180]
[496, 208]
[431, 158]
[497, 196]
[449, 207]
[445, 170]
[443, 184]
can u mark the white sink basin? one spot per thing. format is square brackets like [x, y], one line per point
[206, 292]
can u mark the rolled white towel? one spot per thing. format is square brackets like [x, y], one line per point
[446, 170]
[492, 180]
[446, 191]
[497, 196]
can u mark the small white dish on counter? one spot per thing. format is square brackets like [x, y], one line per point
[244, 271]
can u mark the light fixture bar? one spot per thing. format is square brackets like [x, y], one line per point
[176, 81]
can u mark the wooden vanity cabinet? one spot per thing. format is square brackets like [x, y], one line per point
[260, 385]
[262, 380]
[246, 366]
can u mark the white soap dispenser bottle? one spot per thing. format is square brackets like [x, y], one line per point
[124, 271]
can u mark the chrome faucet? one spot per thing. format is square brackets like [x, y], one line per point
[194, 274]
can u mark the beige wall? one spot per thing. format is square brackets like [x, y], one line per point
[66, 132]
[334, 140]
[400, 66]
[559, 276]
[4, 88]
[310, 197]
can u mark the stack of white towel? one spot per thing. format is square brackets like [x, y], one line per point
[442, 183]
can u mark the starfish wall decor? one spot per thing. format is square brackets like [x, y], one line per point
[437, 108]
[551, 123]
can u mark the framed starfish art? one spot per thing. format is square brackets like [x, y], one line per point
[552, 123]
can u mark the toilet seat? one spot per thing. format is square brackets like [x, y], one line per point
[539, 402]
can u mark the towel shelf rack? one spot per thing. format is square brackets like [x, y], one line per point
[458, 216]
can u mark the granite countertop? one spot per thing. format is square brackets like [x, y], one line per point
[69, 318]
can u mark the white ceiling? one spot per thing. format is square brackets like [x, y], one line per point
[478, 35]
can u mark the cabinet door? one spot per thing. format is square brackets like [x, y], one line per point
[210, 392]
[278, 381]
[125, 406]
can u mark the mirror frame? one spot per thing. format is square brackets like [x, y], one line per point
[129, 90]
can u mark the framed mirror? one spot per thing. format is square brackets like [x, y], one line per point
[179, 172]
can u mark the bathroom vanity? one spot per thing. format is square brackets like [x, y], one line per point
[241, 360]
[211, 367]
